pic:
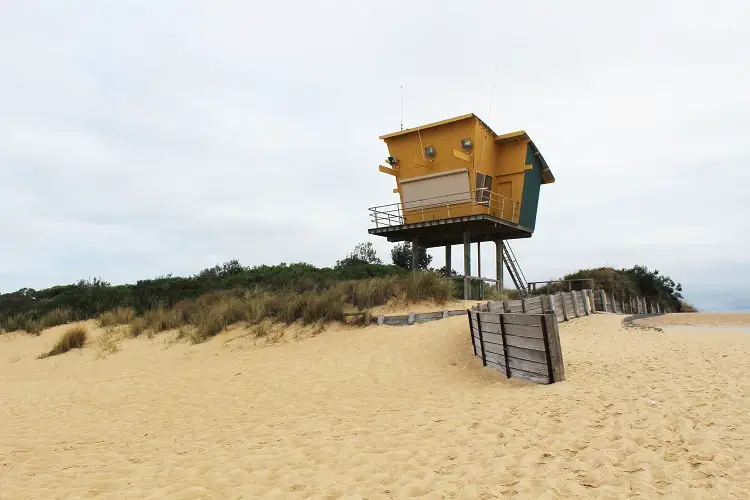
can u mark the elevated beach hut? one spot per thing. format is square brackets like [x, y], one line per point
[460, 182]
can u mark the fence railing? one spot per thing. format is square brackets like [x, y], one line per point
[446, 206]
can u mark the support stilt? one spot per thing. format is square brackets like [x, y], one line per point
[448, 266]
[415, 254]
[467, 266]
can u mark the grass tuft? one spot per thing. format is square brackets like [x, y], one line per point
[115, 317]
[73, 338]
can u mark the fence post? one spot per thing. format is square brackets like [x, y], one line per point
[564, 306]
[471, 331]
[481, 339]
[575, 304]
[523, 306]
[505, 345]
[551, 306]
[551, 336]
[586, 305]
[603, 297]
[506, 306]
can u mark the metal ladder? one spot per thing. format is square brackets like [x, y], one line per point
[511, 263]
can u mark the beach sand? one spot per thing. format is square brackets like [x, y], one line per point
[697, 319]
[377, 412]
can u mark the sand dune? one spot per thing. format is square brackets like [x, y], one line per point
[379, 412]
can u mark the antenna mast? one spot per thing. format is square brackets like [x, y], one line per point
[402, 107]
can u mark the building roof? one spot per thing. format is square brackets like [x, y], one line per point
[547, 176]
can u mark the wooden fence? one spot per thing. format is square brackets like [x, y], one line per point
[520, 338]
[568, 305]
[564, 305]
[627, 304]
[525, 346]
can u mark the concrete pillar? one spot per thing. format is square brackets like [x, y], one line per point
[414, 254]
[467, 266]
[500, 267]
[448, 260]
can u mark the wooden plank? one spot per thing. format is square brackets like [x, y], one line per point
[495, 366]
[528, 343]
[422, 317]
[495, 338]
[396, 320]
[534, 332]
[531, 377]
[526, 354]
[456, 312]
[534, 302]
[554, 349]
[525, 342]
[517, 364]
[523, 319]
[515, 306]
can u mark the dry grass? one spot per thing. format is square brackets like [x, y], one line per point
[73, 338]
[115, 317]
[200, 319]
[109, 341]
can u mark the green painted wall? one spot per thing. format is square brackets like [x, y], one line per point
[532, 182]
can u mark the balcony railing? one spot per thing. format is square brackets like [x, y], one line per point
[479, 201]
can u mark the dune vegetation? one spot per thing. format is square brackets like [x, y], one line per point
[204, 304]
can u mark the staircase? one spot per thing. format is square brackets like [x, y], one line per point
[511, 263]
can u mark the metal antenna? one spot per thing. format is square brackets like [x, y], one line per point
[402, 107]
[492, 95]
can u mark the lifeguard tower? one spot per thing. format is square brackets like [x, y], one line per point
[460, 182]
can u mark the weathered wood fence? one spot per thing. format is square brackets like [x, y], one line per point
[627, 304]
[568, 305]
[525, 346]
[564, 305]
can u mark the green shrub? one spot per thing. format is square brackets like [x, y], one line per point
[73, 338]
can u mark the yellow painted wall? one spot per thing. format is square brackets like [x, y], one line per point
[505, 162]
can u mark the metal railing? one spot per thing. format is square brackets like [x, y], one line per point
[446, 206]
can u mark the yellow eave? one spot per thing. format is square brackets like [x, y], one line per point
[512, 136]
[435, 124]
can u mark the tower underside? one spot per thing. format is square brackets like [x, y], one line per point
[451, 231]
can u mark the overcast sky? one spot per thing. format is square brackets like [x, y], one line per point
[141, 138]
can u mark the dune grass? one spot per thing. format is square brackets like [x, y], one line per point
[117, 316]
[200, 319]
[73, 338]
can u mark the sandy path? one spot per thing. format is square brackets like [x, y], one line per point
[381, 412]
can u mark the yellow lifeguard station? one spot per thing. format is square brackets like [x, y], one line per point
[460, 182]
